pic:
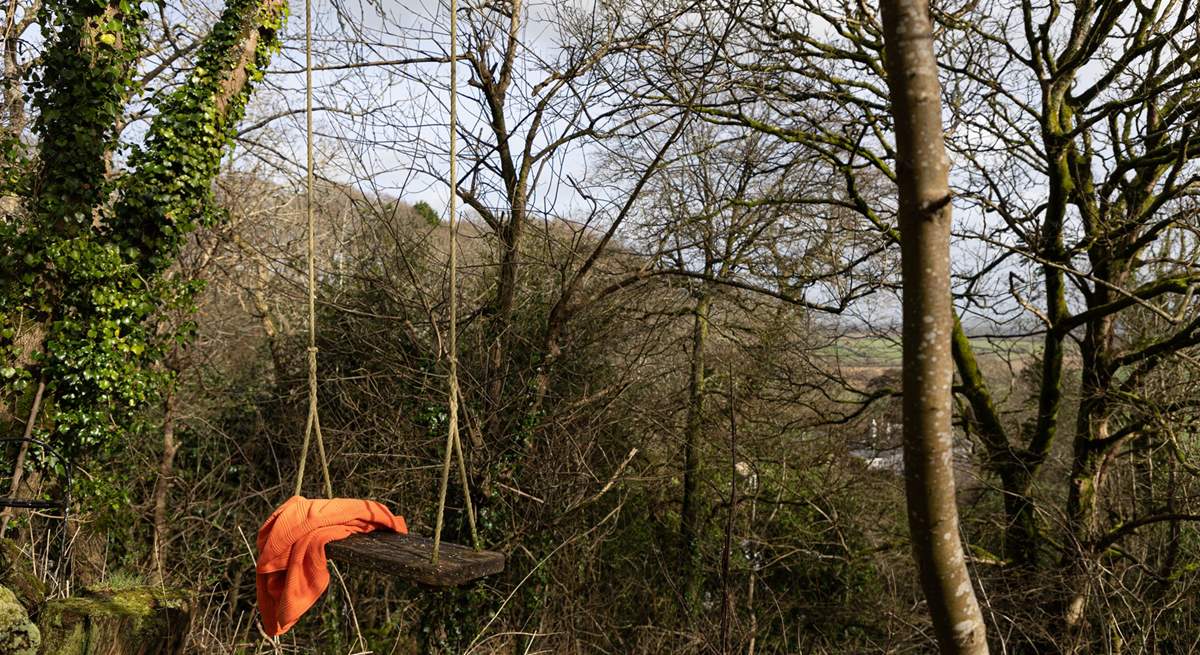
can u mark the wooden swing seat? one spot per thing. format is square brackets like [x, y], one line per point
[408, 557]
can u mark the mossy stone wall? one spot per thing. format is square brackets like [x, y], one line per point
[133, 621]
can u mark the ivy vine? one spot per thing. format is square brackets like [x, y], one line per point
[90, 248]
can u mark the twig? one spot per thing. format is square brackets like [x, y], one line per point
[608, 485]
[520, 493]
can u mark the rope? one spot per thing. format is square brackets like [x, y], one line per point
[453, 441]
[313, 425]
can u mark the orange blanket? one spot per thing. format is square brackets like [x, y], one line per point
[291, 552]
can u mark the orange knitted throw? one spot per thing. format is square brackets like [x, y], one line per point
[292, 572]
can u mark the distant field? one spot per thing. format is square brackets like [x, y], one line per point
[883, 352]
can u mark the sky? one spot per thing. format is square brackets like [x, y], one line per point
[406, 161]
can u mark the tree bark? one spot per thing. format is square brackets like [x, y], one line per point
[1088, 452]
[18, 473]
[923, 173]
[689, 514]
[501, 321]
[1015, 467]
[14, 70]
[162, 487]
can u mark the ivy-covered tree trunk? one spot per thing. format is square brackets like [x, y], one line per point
[90, 247]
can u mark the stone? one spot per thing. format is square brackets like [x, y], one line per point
[137, 620]
[18, 634]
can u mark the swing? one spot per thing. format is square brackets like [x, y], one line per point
[409, 557]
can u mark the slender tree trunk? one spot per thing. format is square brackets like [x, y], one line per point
[752, 629]
[162, 487]
[727, 609]
[19, 467]
[14, 98]
[923, 172]
[689, 513]
[1016, 468]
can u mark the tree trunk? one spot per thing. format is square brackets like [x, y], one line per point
[14, 487]
[689, 513]
[14, 96]
[1016, 468]
[501, 323]
[1091, 443]
[923, 173]
[162, 487]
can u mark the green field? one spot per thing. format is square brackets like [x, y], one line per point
[884, 351]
